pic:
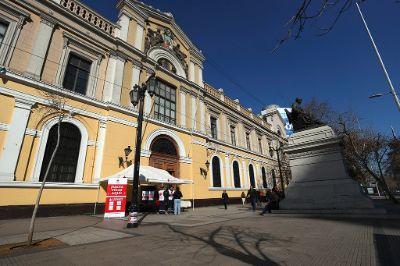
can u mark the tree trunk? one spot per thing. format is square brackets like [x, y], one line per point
[387, 191]
[32, 223]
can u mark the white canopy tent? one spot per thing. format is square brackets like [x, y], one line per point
[147, 175]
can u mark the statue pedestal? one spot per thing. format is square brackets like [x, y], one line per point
[320, 180]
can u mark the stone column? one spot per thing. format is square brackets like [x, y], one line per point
[139, 37]
[191, 71]
[98, 162]
[124, 23]
[193, 113]
[202, 116]
[200, 76]
[147, 97]
[228, 171]
[14, 139]
[182, 114]
[113, 84]
[245, 174]
[137, 66]
[40, 47]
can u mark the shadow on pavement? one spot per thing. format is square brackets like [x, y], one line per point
[243, 245]
[388, 249]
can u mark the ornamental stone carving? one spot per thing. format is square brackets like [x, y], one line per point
[166, 39]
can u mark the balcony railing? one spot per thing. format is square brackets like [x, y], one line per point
[233, 104]
[88, 15]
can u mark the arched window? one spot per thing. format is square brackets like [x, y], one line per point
[251, 174]
[216, 172]
[264, 177]
[236, 174]
[164, 146]
[273, 178]
[63, 168]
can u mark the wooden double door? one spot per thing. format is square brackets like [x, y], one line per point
[166, 162]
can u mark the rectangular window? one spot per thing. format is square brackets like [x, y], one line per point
[233, 135]
[3, 30]
[165, 103]
[213, 123]
[77, 74]
[248, 140]
[260, 145]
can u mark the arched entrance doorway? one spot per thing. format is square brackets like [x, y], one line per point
[164, 155]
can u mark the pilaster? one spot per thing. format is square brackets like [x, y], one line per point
[40, 47]
[14, 139]
[98, 163]
[228, 171]
[182, 94]
[139, 37]
[202, 116]
[193, 113]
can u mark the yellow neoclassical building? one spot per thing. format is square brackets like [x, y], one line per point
[61, 51]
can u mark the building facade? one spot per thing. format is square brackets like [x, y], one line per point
[61, 60]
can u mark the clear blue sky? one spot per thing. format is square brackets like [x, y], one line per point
[340, 67]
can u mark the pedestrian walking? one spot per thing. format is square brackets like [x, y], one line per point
[252, 195]
[225, 199]
[177, 201]
[243, 196]
[162, 201]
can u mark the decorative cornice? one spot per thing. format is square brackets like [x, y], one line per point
[94, 48]
[49, 21]
[14, 10]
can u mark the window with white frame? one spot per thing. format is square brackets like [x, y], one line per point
[216, 172]
[213, 125]
[79, 65]
[236, 174]
[165, 103]
[3, 30]
[248, 140]
[260, 145]
[233, 135]
[64, 166]
[77, 74]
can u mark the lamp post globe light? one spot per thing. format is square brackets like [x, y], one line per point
[137, 95]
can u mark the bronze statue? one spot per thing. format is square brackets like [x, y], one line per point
[300, 119]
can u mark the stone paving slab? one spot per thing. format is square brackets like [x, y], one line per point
[19, 238]
[90, 235]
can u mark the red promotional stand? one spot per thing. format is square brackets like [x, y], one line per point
[116, 197]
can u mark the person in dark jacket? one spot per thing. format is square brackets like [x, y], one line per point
[252, 195]
[269, 199]
[225, 199]
[177, 201]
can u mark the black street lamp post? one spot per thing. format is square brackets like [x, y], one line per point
[137, 95]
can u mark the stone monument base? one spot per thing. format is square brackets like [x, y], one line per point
[319, 178]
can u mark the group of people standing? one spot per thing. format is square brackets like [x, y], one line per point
[272, 198]
[169, 200]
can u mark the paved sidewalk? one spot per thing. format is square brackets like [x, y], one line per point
[211, 236]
